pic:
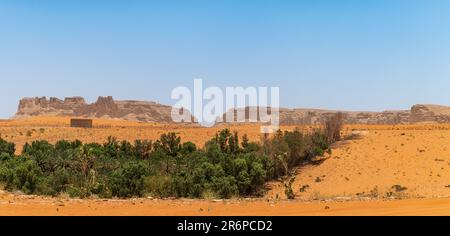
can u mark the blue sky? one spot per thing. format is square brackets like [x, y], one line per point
[354, 55]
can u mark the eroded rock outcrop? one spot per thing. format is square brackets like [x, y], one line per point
[104, 107]
[107, 107]
[417, 114]
[430, 113]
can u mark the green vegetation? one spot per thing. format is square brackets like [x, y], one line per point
[224, 168]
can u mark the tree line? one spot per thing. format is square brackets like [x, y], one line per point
[227, 166]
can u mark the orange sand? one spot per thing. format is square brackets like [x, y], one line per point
[36, 206]
[418, 160]
[53, 129]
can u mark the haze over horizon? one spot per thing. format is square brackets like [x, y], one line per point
[347, 55]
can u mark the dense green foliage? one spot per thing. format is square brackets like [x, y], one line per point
[224, 168]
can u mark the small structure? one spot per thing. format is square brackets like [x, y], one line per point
[81, 123]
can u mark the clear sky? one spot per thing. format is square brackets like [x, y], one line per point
[354, 54]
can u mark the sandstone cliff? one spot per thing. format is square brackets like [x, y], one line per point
[104, 107]
[107, 107]
[417, 114]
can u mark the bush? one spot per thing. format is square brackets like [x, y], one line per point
[43, 154]
[60, 180]
[243, 179]
[5, 156]
[288, 188]
[128, 181]
[6, 147]
[225, 187]
[78, 192]
[7, 177]
[297, 146]
[169, 143]
[184, 186]
[159, 186]
[26, 176]
[142, 148]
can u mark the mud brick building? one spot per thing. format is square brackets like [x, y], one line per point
[81, 123]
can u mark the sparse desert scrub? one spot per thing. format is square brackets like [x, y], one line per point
[288, 188]
[333, 127]
[382, 157]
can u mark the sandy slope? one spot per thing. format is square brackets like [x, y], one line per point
[417, 161]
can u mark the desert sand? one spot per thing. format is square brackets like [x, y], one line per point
[387, 162]
[19, 205]
[53, 129]
[384, 170]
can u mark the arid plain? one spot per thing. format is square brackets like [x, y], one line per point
[382, 170]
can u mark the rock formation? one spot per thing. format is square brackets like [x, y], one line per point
[417, 114]
[107, 107]
[104, 107]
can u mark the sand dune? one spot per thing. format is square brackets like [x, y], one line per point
[385, 163]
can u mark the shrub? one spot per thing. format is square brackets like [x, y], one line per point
[5, 156]
[225, 187]
[183, 185]
[399, 188]
[188, 147]
[317, 151]
[279, 152]
[319, 140]
[126, 150]
[288, 188]
[26, 175]
[60, 180]
[159, 186]
[169, 143]
[43, 153]
[111, 147]
[243, 179]
[7, 177]
[297, 144]
[142, 149]
[258, 176]
[78, 192]
[128, 181]
[6, 147]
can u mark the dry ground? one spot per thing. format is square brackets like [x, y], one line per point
[361, 177]
[387, 162]
[18, 205]
[53, 129]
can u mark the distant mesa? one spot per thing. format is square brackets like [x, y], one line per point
[104, 107]
[144, 111]
[417, 114]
